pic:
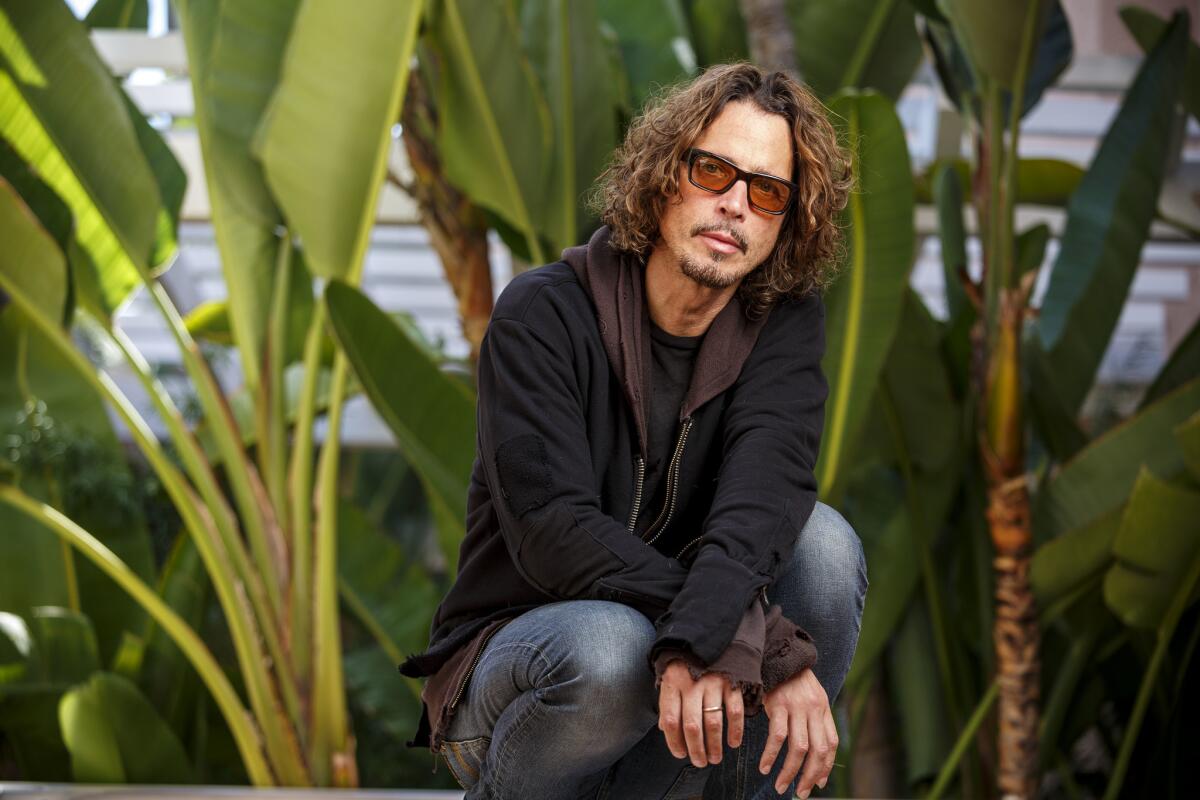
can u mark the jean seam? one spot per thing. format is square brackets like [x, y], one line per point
[512, 738]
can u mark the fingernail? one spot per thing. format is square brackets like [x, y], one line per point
[823, 782]
[780, 788]
[804, 794]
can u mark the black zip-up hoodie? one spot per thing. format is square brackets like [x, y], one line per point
[564, 372]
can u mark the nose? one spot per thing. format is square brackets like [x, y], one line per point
[734, 201]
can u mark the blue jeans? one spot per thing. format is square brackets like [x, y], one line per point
[562, 702]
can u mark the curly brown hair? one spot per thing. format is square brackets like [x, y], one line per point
[644, 173]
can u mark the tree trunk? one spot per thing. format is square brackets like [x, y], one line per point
[769, 34]
[457, 228]
[1015, 632]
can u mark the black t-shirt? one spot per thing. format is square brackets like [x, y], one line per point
[671, 360]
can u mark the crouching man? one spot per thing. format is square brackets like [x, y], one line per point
[647, 575]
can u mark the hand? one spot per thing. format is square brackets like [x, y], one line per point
[798, 710]
[689, 730]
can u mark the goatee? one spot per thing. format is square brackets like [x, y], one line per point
[708, 275]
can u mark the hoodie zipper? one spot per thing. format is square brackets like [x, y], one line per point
[640, 466]
[474, 663]
[664, 517]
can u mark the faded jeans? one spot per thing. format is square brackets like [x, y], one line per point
[562, 703]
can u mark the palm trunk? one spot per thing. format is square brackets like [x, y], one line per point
[457, 228]
[772, 44]
[1015, 632]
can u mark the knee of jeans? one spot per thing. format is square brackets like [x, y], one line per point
[829, 552]
[606, 662]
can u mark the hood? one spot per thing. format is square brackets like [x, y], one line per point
[616, 284]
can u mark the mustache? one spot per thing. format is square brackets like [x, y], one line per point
[728, 230]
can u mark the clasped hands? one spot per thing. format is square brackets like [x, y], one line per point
[797, 710]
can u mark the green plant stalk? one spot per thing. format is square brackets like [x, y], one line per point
[866, 43]
[300, 486]
[1055, 712]
[241, 724]
[946, 774]
[245, 345]
[222, 515]
[377, 631]
[272, 409]
[286, 760]
[993, 142]
[568, 120]
[255, 511]
[1011, 161]
[329, 730]
[1166, 630]
[68, 557]
[834, 441]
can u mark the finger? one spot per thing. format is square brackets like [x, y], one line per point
[713, 722]
[832, 737]
[734, 716]
[670, 719]
[798, 742]
[820, 759]
[776, 736]
[693, 728]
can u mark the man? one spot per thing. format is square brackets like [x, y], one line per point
[650, 410]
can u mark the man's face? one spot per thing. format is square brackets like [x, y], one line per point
[718, 238]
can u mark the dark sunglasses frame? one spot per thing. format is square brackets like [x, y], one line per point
[692, 153]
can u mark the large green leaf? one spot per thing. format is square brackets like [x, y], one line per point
[166, 677]
[1147, 28]
[119, 14]
[991, 34]
[325, 136]
[115, 735]
[1108, 221]
[867, 44]
[1188, 436]
[40, 658]
[718, 31]
[654, 42]
[907, 429]
[1182, 366]
[390, 595]
[1040, 181]
[918, 696]
[495, 133]
[1100, 478]
[569, 55]
[431, 414]
[864, 305]
[31, 263]
[234, 55]
[1155, 548]
[63, 114]
[1065, 563]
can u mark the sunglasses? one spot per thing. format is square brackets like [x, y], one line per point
[714, 174]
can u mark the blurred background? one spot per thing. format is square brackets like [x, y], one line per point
[230, 229]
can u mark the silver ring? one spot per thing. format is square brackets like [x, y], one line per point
[712, 708]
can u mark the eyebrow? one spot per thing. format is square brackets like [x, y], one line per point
[752, 168]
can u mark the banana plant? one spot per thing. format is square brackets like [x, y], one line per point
[89, 205]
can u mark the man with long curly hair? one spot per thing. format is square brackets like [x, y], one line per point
[645, 557]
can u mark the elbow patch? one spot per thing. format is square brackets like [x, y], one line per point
[523, 468]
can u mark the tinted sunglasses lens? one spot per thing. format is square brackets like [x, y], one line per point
[709, 173]
[769, 195]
